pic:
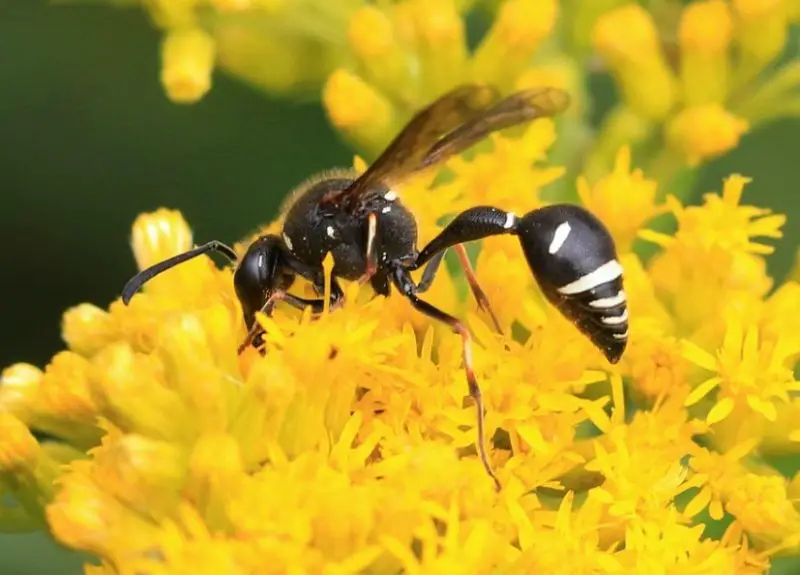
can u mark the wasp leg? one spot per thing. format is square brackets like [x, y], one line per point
[289, 265]
[473, 224]
[372, 254]
[477, 292]
[408, 288]
[429, 273]
[317, 307]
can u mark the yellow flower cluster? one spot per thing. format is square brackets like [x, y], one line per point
[349, 448]
[693, 77]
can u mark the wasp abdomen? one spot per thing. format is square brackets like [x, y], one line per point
[574, 260]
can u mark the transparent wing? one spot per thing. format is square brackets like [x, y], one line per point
[405, 154]
[517, 108]
[452, 124]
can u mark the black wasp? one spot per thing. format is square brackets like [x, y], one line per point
[373, 237]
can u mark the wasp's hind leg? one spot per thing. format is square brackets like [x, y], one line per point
[403, 281]
[432, 267]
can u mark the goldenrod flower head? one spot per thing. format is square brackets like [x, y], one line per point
[371, 32]
[704, 34]
[763, 508]
[19, 386]
[522, 25]
[657, 367]
[504, 176]
[64, 391]
[640, 461]
[624, 200]
[518, 30]
[18, 448]
[356, 108]
[672, 546]
[187, 62]
[714, 252]
[704, 132]
[706, 26]
[348, 446]
[87, 329]
[748, 373]
[722, 222]
[767, 16]
[627, 38]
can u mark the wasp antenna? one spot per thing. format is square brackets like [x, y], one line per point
[144, 276]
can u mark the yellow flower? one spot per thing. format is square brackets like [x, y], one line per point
[761, 32]
[714, 256]
[627, 38]
[18, 448]
[705, 33]
[188, 59]
[758, 499]
[640, 462]
[704, 132]
[357, 109]
[349, 445]
[747, 372]
[671, 546]
[518, 30]
[624, 200]
[19, 385]
[504, 177]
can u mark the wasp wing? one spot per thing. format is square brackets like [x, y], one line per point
[518, 108]
[405, 154]
[451, 125]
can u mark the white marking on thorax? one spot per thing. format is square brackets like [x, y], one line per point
[511, 220]
[390, 196]
[386, 210]
[607, 272]
[287, 240]
[616, 319]
[331, 232]
[609, 301]
[559, 237]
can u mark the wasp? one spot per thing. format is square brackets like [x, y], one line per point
[361, 221]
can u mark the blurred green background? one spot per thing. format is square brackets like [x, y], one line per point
[90, 141]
